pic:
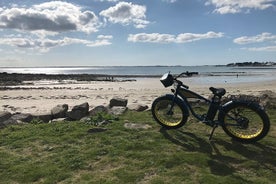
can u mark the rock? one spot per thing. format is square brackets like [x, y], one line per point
[78, 111]
[10, 122]
[85, 119]
[23, 117]
[4, 116]
[2, 125]
[117, 110]
[268, 99]
[58, 120]
[118, 102]
[241, 97]
[59, 111]
[82, 107]
[138, 107]
[98, 109]
[45, 117]
[129, 125]
[76, 115]
[103, 123]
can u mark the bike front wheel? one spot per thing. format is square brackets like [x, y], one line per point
[169, 113]
[244, 122]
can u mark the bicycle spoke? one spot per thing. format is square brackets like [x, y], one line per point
[243, 122]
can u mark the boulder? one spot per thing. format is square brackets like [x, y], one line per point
[22, 117]
[75, 115]
[118, 102]
[138, 107]
[268, 99]
[45, 117]
[98, 109]
[117, 110]
[59, 111]
[78, 111]
[82, 107]
[4, 116]
[9, 122]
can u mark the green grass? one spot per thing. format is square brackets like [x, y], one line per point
[65, 152]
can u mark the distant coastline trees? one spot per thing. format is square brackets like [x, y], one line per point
[253, 64]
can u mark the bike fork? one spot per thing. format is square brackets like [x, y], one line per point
[172, 105]
[171, 108]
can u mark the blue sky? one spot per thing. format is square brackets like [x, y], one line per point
[145, 32]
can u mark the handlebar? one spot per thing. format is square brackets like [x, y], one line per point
[181, 83]
[167, 79]
[188, 74]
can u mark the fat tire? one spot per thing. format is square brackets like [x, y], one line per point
[177, 103]
[248, 105]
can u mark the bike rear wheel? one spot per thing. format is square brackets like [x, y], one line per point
[169, 113]
[245, 122]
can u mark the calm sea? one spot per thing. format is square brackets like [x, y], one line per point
[207, 73]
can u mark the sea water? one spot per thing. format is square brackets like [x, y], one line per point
[207, 74]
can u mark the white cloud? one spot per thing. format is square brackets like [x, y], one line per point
[49, 18]
[107, 0]
[238, 6]
[168, 38]
[190, 37]
[152, 38]
[35, 25]
[105, 37]
[45, 44]
[264, 37]
[126, 13]
[170, 1]
[268, 48]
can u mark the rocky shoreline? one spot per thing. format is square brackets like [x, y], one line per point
[11, 79]
[117, 106]
[61, 112]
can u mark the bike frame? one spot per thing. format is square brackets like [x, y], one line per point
[185, 93]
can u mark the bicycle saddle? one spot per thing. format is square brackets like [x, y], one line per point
[218, 91]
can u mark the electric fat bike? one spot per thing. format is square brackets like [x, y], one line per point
[244, 120]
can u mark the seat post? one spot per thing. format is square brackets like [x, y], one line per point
[213, 107]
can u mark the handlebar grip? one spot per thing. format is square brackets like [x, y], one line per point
[181, 84]
[187, 73]
[185, 86]
[191, 73]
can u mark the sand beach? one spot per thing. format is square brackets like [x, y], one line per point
[42, 95]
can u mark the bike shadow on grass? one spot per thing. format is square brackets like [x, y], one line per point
[224, 156]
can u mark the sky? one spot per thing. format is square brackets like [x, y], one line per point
[134, 33]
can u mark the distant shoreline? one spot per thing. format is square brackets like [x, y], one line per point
[252, 64]
[237, 64]
[15, 79]
[19, 78]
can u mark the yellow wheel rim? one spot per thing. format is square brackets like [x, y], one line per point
[163, 114]
[248, 123]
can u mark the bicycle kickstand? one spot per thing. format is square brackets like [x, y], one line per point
[211, 135]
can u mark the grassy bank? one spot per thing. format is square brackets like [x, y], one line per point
[67, 152]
